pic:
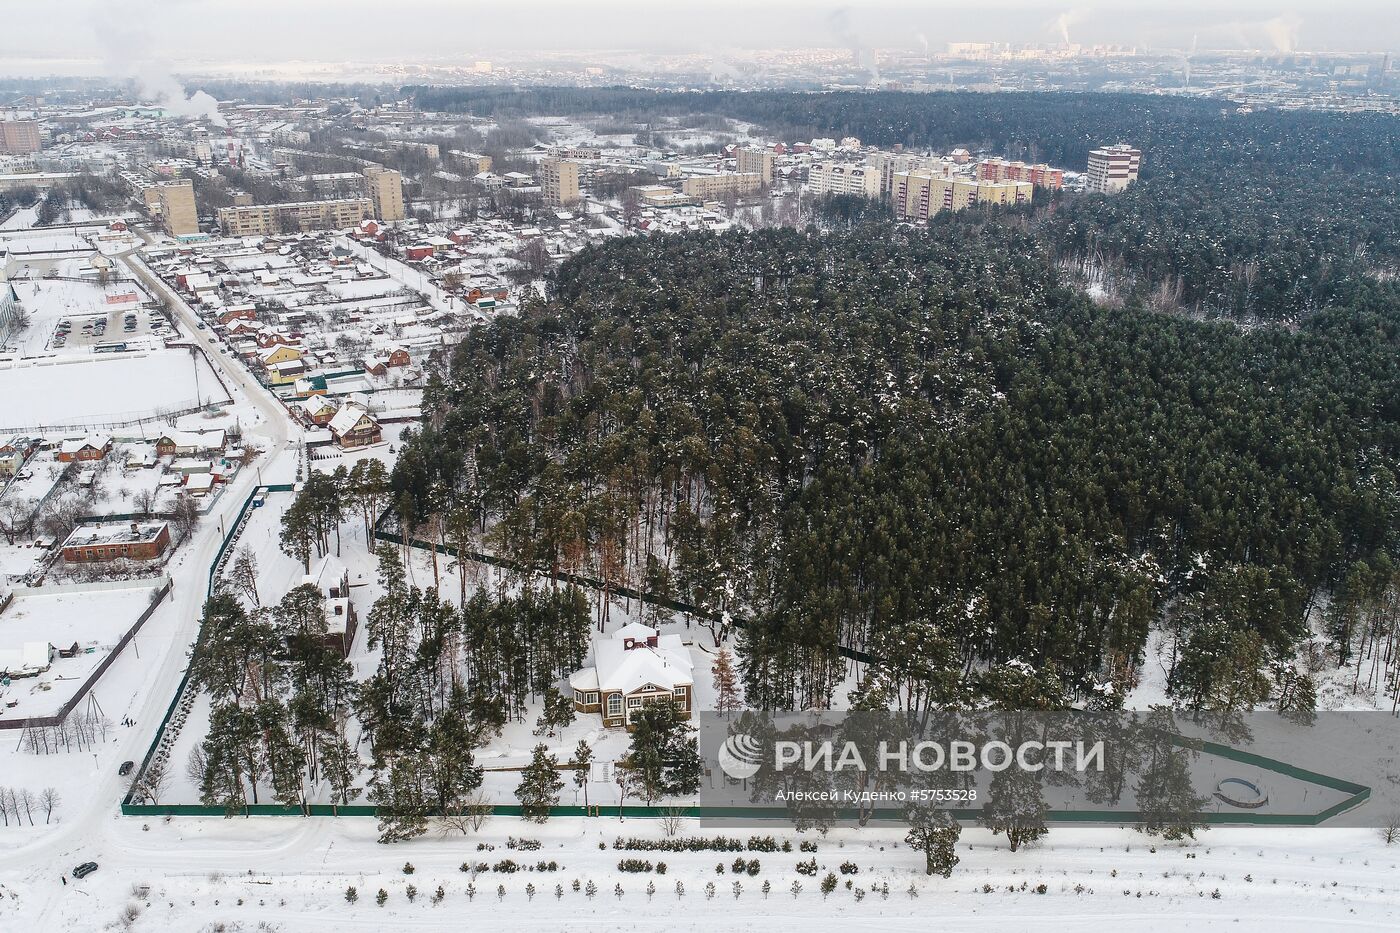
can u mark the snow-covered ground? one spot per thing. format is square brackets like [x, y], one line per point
[292, 875]
[105, 388]
[93, 618]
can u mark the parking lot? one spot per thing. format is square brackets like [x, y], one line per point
[127, 324]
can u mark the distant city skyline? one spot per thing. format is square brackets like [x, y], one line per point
[124, 36]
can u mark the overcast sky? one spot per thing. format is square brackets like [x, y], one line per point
[386, 30]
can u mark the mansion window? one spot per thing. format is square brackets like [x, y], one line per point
[614, 705]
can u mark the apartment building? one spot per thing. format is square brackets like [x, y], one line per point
[473, 163]
[855, 178]
[295, 217]
[431, 150]
[559, 181]
[708, 187]
[918, 195]
[385, 193]
[581, 153]
[196, 147]
[756, 160]
[1112, 168]
[171, 203]
[19, 137]
[888, 164]
[1040, 175]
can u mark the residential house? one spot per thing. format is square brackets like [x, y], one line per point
[281, 363]
[352, 427]
[635, 667]
[189, 443]
[15, 451]
[332, 580]
[94, 447]
[318, 409]
[238, 313]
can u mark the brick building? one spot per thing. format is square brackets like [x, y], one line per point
[134, 541]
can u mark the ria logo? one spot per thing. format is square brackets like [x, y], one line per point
[740, 756]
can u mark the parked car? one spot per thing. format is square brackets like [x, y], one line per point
[85, 869]
[126, 767]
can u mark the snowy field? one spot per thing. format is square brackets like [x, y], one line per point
[94, 619]
[293, 875]
[97, 389]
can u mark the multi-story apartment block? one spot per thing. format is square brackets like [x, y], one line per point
[717, 186]
[756, 160]
[888, 164]
[1040, 175]
[385, 192]
[559, 181]
[855, 178]
[431, 150]
[918, 195]
[1112, 168]
[19, 137]
[297, 216]
[171, 203]
[195, 147]
[583, 153]
[473, 163]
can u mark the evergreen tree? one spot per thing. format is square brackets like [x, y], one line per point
[664, 756]
[583, 758]
[934, 833]
[558, 712]
[726, 683]
[1167, 802]
[1015, 806]
[539, 786]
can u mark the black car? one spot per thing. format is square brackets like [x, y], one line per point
[85, 869]
[126, 767]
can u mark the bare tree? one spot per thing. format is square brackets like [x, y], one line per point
[26, 799]
[185, 516]
[153, 782]
[672, 819]
[61, 516]
[468, 815]
[1390, 828]
[144, 501]
[195, 765]
[49, 800]
[16, 518]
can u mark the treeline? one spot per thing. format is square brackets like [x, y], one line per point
[926, 446]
